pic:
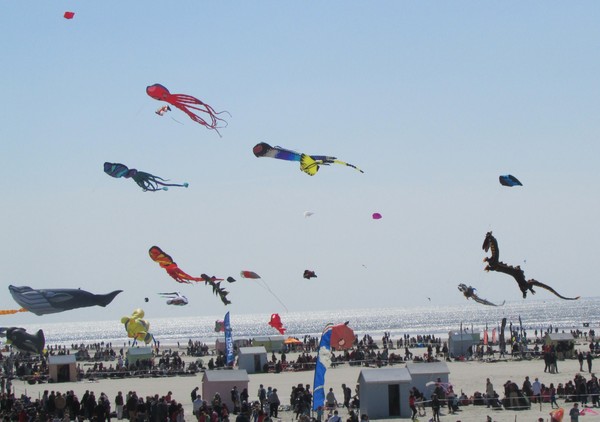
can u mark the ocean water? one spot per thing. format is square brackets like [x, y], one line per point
[436, 320]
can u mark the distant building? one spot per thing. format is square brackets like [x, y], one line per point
[252, 359]
[135, 354]
[384, 392]
[424, 375]
[459, 342]
[62, 368]
[563, 343]
[222, 381]
[271, 343]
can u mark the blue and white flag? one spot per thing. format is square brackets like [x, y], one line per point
[228, 341]
[323, 362]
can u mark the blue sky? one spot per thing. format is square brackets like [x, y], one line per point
[433, 100]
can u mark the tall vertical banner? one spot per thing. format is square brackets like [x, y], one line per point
[228, 341]
[323, 361]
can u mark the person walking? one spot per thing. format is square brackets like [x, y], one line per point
[412, 405]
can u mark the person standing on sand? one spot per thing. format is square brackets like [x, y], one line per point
[574, 412]
[580, 359]
[435, 407]
[536, 388]
[489, 392]
[119, 405]
[589, 358]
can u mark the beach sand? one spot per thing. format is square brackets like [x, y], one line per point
[465, 376]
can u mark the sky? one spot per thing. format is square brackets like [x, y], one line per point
[433, 100]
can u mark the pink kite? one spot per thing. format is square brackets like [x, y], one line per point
[187, 102]
[376, 216]
[249, 274]
[69, 15]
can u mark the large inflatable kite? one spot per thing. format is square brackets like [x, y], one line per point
[49, 301]
[187, 103]
[276, 323]
[309, 164]
[494, 264]
[166, 262]
[146, 181]
[137, 328]
[469, 293]
[18, 337]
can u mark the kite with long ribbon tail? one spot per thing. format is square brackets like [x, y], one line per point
[146, 181]
[165, 261]
[187, 103]
[309, 164]
[252, 275]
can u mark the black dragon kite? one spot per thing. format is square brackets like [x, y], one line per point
[469, 293]
[494, 264]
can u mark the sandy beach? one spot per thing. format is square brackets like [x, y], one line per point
[469, 377]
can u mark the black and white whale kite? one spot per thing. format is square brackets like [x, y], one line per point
[50, 301]
[18, 337]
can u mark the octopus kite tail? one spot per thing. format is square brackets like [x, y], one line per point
[149, 182]
[185, 102]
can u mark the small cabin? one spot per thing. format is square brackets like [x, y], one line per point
[136, 354]
[563, 343]
[252, 359]
[384, 392]
[424, 375]
[270, 343]
[460, 342]
[62, 368]
[222, 381]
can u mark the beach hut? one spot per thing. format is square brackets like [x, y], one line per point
[459, 342]
[237, 343]
[424, 373]
[62, 368]
[384, 392]
[136, 354]
[270, 343]
[252, 359]
[563, 343]
[222, 381]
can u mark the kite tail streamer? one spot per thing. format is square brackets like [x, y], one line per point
[12, 311]
[348, 164]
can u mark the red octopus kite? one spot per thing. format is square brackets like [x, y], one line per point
[187, 103]
[276, 323]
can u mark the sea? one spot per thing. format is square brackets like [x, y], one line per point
[583, 314]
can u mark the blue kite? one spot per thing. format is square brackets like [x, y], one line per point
[509, 180]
